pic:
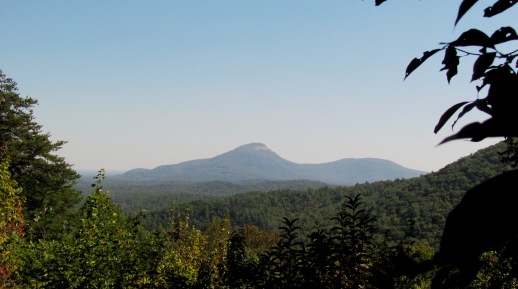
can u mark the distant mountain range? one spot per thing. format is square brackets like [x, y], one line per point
[256, 161]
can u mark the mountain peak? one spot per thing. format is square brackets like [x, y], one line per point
[254, 147]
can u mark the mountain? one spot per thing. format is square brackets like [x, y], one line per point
[256, 161]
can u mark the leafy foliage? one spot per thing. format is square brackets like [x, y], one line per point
[494, 67]
[12, 223]
[105, 251]
[182, 253]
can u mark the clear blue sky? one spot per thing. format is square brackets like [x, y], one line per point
[145, 83]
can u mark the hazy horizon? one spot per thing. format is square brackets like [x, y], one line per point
[137, 85]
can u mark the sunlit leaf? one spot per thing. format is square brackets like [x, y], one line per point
[416, 62]
[473, 37]
[481, 64]
[504, 34]
[499, 7]
[463, 8]
[447, 115]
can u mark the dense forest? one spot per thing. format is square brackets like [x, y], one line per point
[404, 208]
[135, 196]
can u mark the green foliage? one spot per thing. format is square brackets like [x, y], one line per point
[409, 265]
[181, 253]
[214, 266]
[45, 178]
[495, 272]
[105, 251]
[134, 196]
[12, 223]
[337, 258]
[285, 259]
[354, 235]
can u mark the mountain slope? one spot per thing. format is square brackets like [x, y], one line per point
[256, 161]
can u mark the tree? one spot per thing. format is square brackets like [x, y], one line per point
[182, 253]
[354, 236]
[46, 179]
[494, 68]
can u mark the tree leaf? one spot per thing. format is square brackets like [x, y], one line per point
[481, 64]
[447, 115]
[451, 61]
[378, 2]
[503, 34]
[499, 7]
[463, 8]
[473, 37]
[416, 62]
[466, 109]
[474, 131]
[482, 106]
[451, 73]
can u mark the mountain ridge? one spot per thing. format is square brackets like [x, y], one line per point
[255, 161]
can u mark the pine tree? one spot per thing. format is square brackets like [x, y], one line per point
[45, 178]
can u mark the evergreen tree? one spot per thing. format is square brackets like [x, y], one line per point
[46, 179]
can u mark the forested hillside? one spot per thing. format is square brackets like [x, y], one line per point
[415, 208]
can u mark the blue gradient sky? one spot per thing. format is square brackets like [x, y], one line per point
[144, 83]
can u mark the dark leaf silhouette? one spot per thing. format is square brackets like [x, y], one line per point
[503, 34]
[447, 115]
[499, 7]
[451, 61]
[463, 8]
[378, 2]
[474, 131]
[466, 109]
[473, 37]
[482, 106]
[493, 127]
[416, 62]
[483, 62]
